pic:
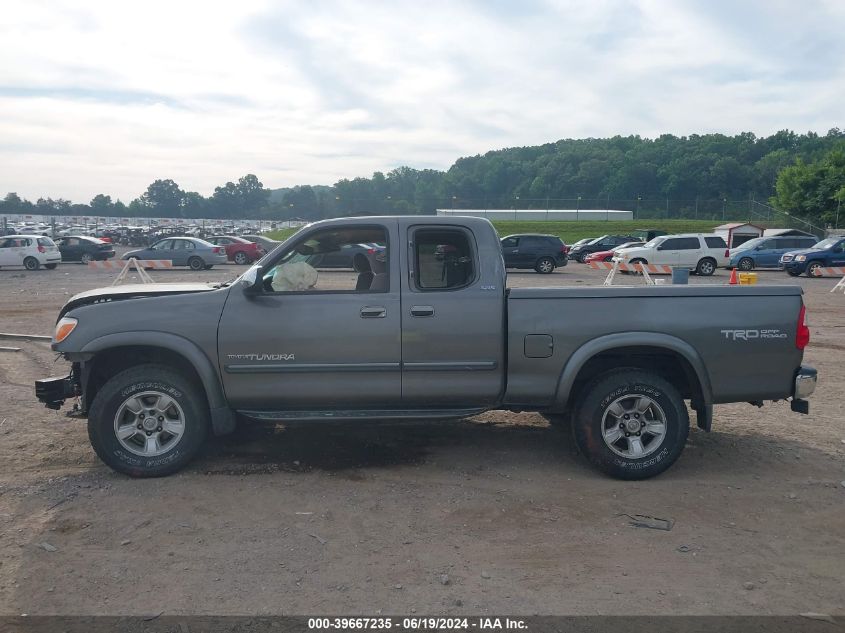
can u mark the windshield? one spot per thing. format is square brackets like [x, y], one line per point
[653, 243]
[597, 240]
[826, 243]
[750, 243]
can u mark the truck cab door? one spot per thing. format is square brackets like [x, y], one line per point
[837, 254]
[303, 340]
[453, 326]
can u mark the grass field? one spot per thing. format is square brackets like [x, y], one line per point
[573, 231]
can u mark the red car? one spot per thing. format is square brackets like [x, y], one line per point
[606, 256]
[238, 249]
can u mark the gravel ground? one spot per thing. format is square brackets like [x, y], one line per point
[496, 514]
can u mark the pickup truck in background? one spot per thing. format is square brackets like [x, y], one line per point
[413, 335]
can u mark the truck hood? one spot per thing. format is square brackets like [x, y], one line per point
[133, 291]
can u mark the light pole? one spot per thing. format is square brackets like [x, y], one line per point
[515, 206]
[577, 207]
[724, 207]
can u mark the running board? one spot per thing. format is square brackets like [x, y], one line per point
[363, 414]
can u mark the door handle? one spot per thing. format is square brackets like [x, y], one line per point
[422, 311]
[373, 312]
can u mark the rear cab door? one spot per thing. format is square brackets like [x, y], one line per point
[453, 315]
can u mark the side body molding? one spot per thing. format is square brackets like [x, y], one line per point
[631, 339]
[222, 417]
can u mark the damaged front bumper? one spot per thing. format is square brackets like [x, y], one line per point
[55, 390]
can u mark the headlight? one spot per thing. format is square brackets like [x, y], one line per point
[800, 258]
[64, 327]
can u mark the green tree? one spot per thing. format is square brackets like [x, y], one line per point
[101, 204]
[163, 198]
[813, 190]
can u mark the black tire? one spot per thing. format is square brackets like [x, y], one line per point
[609, 258]
[580, 257]
[812, 267]
[592, 414]
[139, 380]
[793, 273]
[545, 265]
[30, 263]
[50, 266]
[209, 266]
[85, 258]
[637, 260]
[706, 267]
[558, 420]
[196, 263]
[746, 264]
[241, 258]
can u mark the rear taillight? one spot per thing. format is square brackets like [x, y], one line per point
[802, 335]
[563, 249]
[216, 249]
[727, 252]
[41, 249]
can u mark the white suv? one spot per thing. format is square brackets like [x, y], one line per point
[697, 251]
[29, 251]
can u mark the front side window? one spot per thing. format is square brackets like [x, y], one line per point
[443, 259]
[346, 259]
[510, 242]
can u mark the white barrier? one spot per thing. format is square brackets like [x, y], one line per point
[654, 269]
[138, 264]
[116, 264]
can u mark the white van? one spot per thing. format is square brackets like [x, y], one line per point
[701, 253]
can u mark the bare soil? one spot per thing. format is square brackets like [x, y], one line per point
[497, 514]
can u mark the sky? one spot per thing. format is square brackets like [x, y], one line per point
[100, 96]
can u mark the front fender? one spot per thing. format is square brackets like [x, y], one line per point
[222, 417]
[630, 339]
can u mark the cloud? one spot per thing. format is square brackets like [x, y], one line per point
[108, 97]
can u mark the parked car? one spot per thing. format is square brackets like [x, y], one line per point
[765, 252]
[829, 252]
[699, 252]
[543, 253]
[603, 243]
[193, 252]
[238, 249]
[29, 251]
[343, 256]
[578, 243]
[80, 248]
[409, 342]
[606, 256]
[263, 241]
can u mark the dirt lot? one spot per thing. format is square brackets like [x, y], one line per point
[497, 514]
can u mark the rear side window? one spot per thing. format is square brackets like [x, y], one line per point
[45, 241]
[715, 242]
[443, 259]
[680, 244]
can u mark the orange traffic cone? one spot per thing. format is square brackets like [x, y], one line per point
[733, 280]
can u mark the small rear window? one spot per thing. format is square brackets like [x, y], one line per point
[715, 242]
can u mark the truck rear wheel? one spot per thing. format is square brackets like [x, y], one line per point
[148, 421]
[631, 424]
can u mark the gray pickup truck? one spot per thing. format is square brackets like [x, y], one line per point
[424, 327]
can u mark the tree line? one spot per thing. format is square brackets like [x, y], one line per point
[803, 174]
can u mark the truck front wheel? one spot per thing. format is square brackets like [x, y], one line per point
[631, 424]
[148, 421]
